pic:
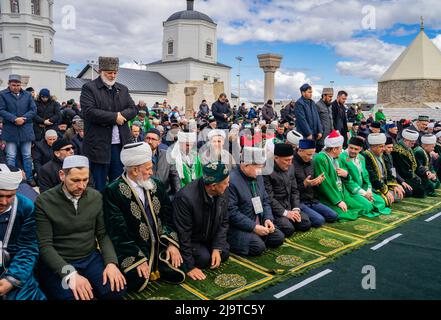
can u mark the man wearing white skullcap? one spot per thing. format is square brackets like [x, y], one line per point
[18, 243]
[71, 267]
[424, 155]
[138, 214]
[184, 155]
[332, 191]
[252, 227]
[42, 150]
[405, 162]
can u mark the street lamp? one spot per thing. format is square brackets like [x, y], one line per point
[239, 59]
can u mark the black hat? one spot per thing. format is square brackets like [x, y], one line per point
[306, 144]
[155, 131]
[60, 144]
[389, 140]
[357, 141]
[376, 124]
[283, 150]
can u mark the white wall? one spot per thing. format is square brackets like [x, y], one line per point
[18, 32]
[51, 77]
[190, 38]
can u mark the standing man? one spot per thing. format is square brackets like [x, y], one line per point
[221, 111]
[201, 219]
[107, 106]
[19, 247]
[17, 108]
[339, 116]
[307, 118]
[268, 112]
[48, 114]
[324, 108]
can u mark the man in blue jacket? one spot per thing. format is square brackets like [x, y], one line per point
[307, 118]
[17, 108]
[18, 240]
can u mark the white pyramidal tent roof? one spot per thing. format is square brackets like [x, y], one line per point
[421, 60]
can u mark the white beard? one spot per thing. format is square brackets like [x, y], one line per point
[108, 82]
[146, 184]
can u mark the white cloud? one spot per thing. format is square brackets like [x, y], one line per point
[437, 41]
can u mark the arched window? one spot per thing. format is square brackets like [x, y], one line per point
[15, 7]
[35, 7]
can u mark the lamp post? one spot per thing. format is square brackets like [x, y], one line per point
[239, 59]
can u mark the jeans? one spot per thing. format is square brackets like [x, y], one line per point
[100, 172]
[318, 213]
[25, 150]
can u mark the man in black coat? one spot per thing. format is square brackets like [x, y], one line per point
[49, 173]
[42, 151]
[317, 212]
[281, 186]
[201, 220]
[221, 111]
[339, 116]
[48, 114]
[107, 107]
[162, 169]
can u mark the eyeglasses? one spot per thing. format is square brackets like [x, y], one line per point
[68, 149]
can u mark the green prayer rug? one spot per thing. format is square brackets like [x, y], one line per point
[428, 201]
[283, 259]
[232, 278]
[410, 207]
[160, 290]
[362, 228]
[324, 241]
[392, 219]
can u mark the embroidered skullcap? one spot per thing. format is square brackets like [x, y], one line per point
[214, 172]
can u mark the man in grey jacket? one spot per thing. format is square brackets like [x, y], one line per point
[324, 108]
[162, 170]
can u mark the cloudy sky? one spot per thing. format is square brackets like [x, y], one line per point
[348, 42]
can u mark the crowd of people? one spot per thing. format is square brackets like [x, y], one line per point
[100, 197]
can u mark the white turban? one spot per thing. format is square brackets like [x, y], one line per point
[9, 180]
[136, 154]
[410, 135]
[377, 138]
[294, 137]
[438, 134]
[216, 132]
[187, 136]
[428, 139]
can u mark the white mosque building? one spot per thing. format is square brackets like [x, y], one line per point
[189, 57]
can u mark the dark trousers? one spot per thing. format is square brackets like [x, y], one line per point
[289, 227]
[202, 255]
[318, 213]
[102, 172]
[259, 244]
[91, 268]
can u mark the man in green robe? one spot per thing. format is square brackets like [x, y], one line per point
[332, 191]
[380, 116]
[184, 155]
[381, 177]
[405, 162]
[143, 119]
[359, 184]
[423, 156]
[139, 220]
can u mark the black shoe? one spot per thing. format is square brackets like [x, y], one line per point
[32, 183]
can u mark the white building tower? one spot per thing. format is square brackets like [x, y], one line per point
[27, 45]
